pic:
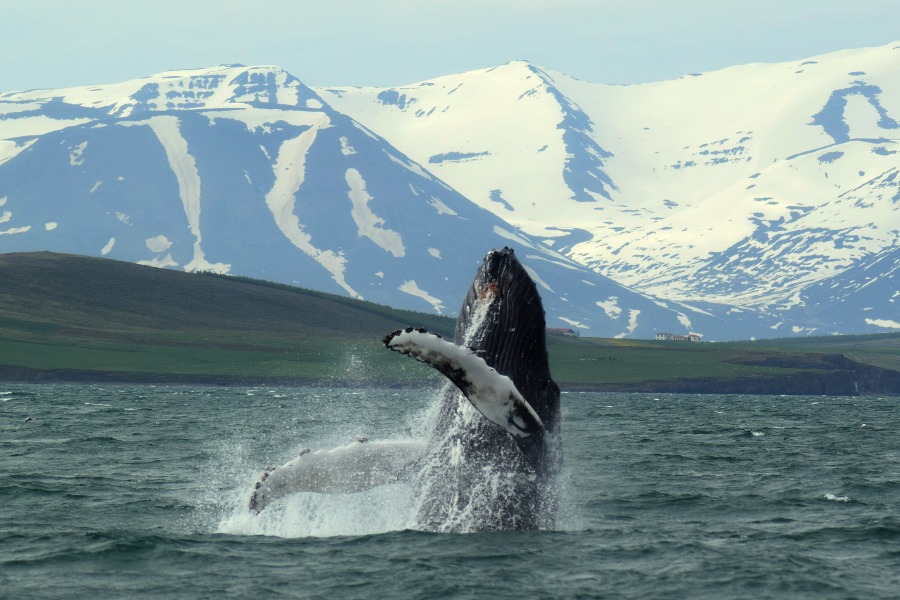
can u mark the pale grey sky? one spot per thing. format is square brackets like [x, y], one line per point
[59, 43]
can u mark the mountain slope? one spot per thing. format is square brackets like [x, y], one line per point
[740, 203]
[247, 171]
[742, 186]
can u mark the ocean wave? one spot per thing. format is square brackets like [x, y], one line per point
[833, 498]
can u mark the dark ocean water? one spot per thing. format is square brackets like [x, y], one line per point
[139, 491]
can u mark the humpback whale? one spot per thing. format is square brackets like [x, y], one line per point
[492, 457]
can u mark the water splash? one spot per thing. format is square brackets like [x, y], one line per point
[473, 476]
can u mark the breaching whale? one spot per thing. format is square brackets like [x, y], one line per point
[492, 457]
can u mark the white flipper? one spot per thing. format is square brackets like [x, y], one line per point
[494, 395]
[356, 467]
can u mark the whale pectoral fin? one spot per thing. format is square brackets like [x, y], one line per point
[359, 466]
[494, 395]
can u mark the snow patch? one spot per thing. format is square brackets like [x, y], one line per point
[509, 235]
[96, 186]
[9, 149]
[632, 323]
[369, 224]
[365, 131]
[346, 148]
[886, 323]
[108, 247]
[290, 171]
[537, 279]
[50, 226]
[611, 307]
[573, 323]
[5, 216]
[558, 263]
[166, 129]
[440, 207]
[158, 244]
[75, 154]
[410, 287]
[16, 230]
[685, 321]
[434, 252]
[698, 310]
[159, 263]
[410, 166]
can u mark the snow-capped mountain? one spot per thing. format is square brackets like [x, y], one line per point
[247, 171]
[756, 201]
[743, 186]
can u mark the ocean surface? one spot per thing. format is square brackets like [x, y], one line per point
[140, 492]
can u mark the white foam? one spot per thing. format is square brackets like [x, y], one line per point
[382, 509]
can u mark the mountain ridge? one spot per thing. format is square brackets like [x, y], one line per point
[741, 209]
[347, 186]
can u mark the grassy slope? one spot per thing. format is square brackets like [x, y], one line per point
[70, 317]
[785, 366]
[60, 312]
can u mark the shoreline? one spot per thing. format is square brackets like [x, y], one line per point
[836, 383]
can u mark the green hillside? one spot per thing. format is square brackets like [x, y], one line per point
[72, 318]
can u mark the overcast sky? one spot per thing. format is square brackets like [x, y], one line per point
[59, 43]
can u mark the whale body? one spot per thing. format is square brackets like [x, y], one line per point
[492, 455]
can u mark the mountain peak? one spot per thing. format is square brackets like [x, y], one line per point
[223, 86]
